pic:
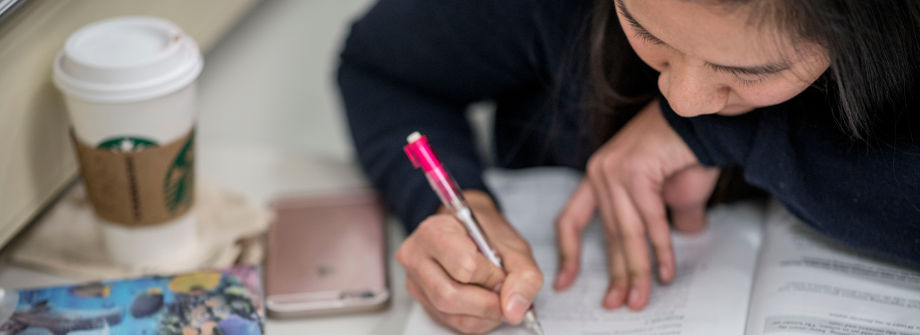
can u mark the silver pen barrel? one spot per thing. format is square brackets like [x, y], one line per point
[531, 322]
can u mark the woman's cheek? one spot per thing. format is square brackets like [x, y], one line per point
[784, 86]
[653, 55]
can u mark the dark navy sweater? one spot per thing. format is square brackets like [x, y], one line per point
[417, 65]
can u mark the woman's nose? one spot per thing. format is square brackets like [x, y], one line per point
[692, 92]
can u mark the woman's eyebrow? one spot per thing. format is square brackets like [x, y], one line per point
[756, 70]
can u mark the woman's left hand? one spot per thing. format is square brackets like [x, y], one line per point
[630, 180]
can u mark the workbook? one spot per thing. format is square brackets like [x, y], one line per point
[754, 270]
[213, 302]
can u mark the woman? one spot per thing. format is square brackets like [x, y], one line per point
[813, 99]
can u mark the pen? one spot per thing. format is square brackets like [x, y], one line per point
[444, 185]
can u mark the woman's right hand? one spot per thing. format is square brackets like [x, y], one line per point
[456, 284]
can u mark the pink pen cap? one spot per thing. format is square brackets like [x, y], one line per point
[441, 182]
[420, 153]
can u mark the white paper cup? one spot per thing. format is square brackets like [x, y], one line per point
[133, 77]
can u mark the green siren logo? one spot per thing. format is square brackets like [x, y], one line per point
[127, 144]
[180, 178]
[178, 185]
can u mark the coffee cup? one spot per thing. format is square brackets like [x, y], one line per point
[129, 84]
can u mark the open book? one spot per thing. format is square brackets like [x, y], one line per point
[754, 270]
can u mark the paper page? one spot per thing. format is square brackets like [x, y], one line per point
[708, 296]
[807, 284]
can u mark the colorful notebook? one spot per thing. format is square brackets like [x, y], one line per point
[215, 302]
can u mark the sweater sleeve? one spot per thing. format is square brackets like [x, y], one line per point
[714, 139]
[412, 65]
[862, 193]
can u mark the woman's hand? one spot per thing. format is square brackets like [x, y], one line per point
[456, 284]
[630, 180]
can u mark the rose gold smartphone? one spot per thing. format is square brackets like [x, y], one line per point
[327, 255]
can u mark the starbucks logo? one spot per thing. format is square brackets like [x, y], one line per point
[127, 144]
[178, 183]
[180, 178]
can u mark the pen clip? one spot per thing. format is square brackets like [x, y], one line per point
[411, 153]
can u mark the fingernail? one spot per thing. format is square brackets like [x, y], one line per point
[664, 272]
[560, 280]
[498, 288]
[633, 296]
[613, 300]
[517, 305]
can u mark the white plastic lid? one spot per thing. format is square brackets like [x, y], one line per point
[126, 59]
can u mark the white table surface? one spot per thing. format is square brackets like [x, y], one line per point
[271, 125]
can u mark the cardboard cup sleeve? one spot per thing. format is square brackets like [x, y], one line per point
[146, 186]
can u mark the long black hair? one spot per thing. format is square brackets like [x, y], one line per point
[873, 46]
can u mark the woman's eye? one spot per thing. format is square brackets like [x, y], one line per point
[750, 82]
[741, 77]
[646, 36]
[640, 31]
